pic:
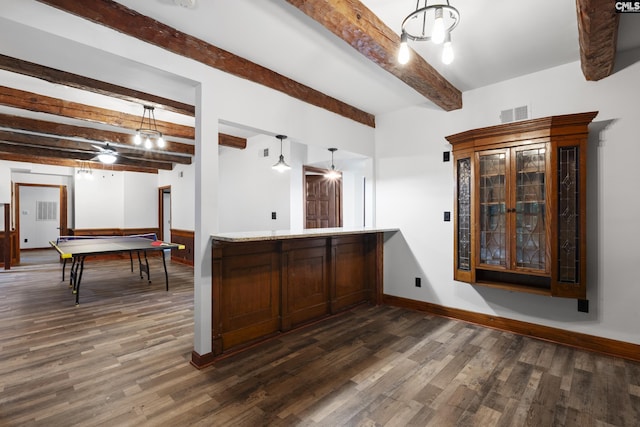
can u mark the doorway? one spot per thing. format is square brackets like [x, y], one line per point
[322, 199]
[40, 215]
[164, 213]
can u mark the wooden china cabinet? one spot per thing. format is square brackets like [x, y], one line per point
[520, 205]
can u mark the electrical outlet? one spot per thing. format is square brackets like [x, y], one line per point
[447, 216]
[273, 215]
[446, 156]
[583, 305]
[418, 282]
[26, 240]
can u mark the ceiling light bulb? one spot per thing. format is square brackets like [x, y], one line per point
[136, 139]
[160, 142]
[281, 166]
[438, 33]
[447, 51]
[147, 143]
[332, 174]
[107, 158]
[404, 54]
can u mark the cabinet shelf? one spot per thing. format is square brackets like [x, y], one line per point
[514, 168]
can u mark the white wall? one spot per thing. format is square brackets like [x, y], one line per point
[414, 188]
[100, 202]
[250, 190]
[182, 182]
[140, 202]
[114, 199]
[28, 173]
[5, 187]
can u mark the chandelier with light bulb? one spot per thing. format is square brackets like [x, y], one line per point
[429, 23]
[148, 130]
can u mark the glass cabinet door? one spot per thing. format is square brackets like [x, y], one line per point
[492, 208]
[463, 214]
[530, 208]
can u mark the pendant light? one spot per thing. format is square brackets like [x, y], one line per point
[281, 166]
[431, 21]
[332, 173]
[148, 130]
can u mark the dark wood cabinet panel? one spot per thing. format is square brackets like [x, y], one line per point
[261, 288]
[305, 281]
[249, 298]
[186, 238]
[351, 283]
[10, 247]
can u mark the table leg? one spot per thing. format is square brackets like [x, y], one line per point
[146, 262]
[166, 276]
[144, 267]
[73, 273]
[78, 279]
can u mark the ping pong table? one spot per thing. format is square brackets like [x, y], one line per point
[78, 248]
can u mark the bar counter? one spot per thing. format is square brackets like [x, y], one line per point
[267, 283]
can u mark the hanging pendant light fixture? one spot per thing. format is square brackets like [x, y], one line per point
[148, 130]
[429, 23]
[281, 166]
[85, 171]
[332, 173]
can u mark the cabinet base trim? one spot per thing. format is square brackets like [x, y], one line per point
[577, 340]
[201, 361]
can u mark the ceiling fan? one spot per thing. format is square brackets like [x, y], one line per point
[105, 154]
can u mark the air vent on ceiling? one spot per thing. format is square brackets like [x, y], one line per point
[264, 153]
[189, 4]
[514, 114]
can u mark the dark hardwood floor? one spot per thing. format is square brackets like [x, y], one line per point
[122, 359]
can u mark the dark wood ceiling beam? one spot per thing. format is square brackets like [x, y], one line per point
[45, 104]
[71, 131]
[91, 85]
[35, 152]
[364, 31]
[232, 141]
[9, 156]
[127, 21]
[598, 35]
[55, 143]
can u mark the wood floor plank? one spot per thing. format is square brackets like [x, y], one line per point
[122, 358]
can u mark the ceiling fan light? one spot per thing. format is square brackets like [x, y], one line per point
[107, 158]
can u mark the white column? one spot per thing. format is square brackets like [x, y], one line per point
[206, 212]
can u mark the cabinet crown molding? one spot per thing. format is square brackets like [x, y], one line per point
[568, 124]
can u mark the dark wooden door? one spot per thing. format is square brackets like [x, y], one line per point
[323, 206]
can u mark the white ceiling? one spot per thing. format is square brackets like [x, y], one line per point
[495, 40]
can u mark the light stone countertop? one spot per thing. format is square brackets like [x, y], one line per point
[255, 236]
